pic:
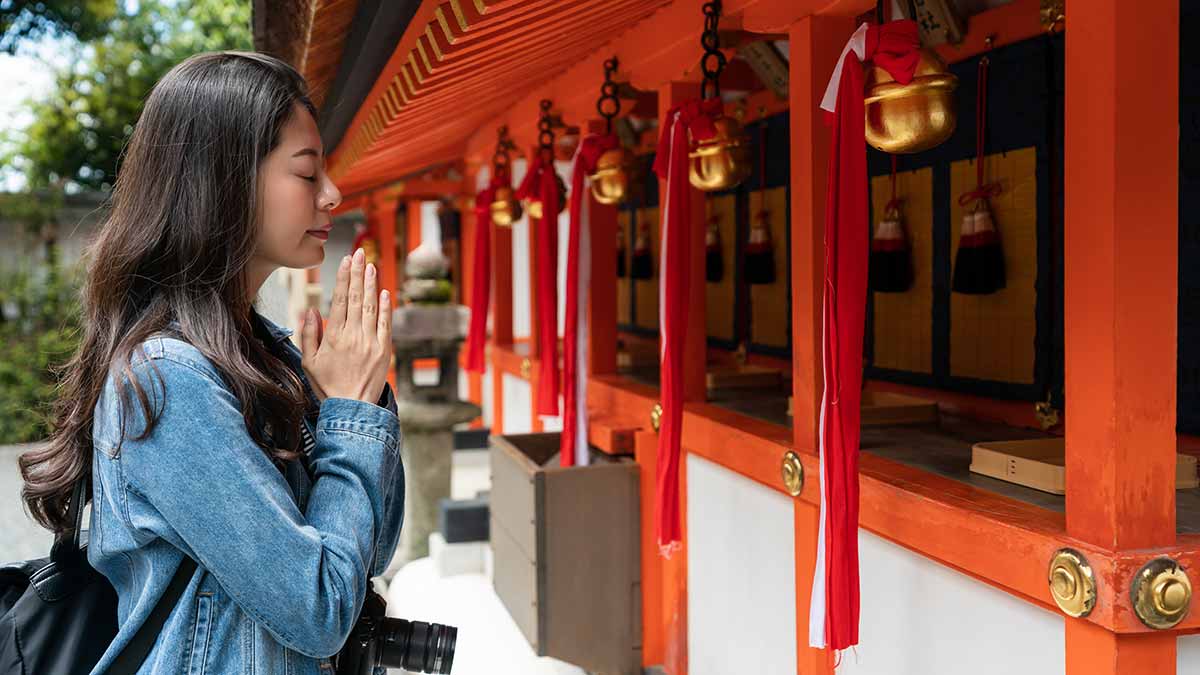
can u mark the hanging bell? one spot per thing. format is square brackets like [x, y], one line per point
[506, 208]
[907, 118]
[534, 207]
[610, 182]
[720, 162]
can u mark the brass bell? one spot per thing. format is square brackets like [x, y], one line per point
[720, 162]
[506, 209]
[907, 118]
[610, 182]
[534, 208]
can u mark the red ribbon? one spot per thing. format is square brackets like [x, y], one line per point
[671, 164]
[590, 149]
[541, 185]
[893, 46]
[481, 280]
[982, 191]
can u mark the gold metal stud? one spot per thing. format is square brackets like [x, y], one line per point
[1161, 593]
[1072, 583]
[526, 368]
[793, 473]
[656, 416]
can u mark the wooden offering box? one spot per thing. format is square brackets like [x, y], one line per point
[566, 550]
[1040, 464]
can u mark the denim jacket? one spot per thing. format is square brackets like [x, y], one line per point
[284, 559]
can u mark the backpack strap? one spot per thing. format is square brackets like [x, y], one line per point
[134, 654]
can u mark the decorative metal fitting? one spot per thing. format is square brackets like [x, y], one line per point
[793, 473]
[1072, 583]
[1161, 593]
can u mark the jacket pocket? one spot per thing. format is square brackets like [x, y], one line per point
[197, 660]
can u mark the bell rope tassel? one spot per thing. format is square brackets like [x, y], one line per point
[760, 253]
[541, 184]
[891, 258]
[481, 280]
[573, 442]
[643, 258]
[622, 266]
[714, 266]
[834, 609]
[690, 120]
[979, 261]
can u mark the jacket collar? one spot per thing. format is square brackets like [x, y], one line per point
[279, 333]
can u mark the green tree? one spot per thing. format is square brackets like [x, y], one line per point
[31, 19]
[79, 130]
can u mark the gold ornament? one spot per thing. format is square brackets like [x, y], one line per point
[1161, 593]
[720, 162]
[506, 209]
[1072, 583]
[907, 118]
[610, 182]
[534, 207]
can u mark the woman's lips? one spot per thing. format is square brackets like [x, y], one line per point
[319, 234]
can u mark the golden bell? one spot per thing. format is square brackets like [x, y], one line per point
[907, 118]
[720, 162]
[534, 208]
[610, 182]
[506, 209]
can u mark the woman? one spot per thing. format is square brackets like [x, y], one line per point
[191, 412]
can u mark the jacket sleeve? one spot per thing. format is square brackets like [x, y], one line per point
[393, 510]
[302, 576]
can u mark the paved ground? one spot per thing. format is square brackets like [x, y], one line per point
[20, 537]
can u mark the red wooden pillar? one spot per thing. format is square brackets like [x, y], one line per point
[502, 316]
[469, 230]
[602, 292]
[413, 221]
[1121, 227]
[814, 45]
[381, 212]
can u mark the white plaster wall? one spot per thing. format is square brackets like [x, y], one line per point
[919, 617]
[741, 574]
[518, 405]
[1187, 655]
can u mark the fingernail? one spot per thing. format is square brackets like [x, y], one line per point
[370, 270]
[345, 260]
[359, 255]
[385, 297]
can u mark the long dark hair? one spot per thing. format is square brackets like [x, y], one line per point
[185, 217]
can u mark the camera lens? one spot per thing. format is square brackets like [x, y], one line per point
[416, 646]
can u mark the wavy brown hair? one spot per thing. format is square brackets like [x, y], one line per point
[183, 224]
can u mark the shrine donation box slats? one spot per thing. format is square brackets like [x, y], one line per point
[566, 550]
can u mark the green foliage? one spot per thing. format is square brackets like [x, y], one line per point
[32, 19]
[79, 130]
[39, 330]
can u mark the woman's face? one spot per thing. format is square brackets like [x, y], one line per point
[297, 197]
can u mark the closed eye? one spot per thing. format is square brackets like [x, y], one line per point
[311, 179]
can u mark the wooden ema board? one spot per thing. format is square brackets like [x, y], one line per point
[882, 408]
[992, 336]
[719, 296]
[768, 302]
[903, 322]
[1040, 464]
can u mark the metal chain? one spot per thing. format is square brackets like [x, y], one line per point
[500, 159]
[608, 94]
[545, 132]
[713, 61]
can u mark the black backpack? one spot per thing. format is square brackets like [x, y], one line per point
[58, 614]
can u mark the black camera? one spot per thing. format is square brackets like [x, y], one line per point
[378, 641]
